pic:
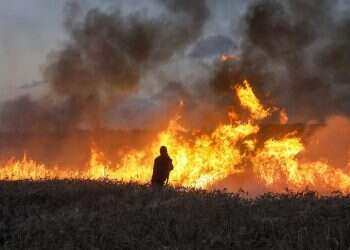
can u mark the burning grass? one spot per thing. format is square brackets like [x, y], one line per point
[203, 159]
[105, 215]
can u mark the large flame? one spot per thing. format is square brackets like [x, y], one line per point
[204, 159]
[251, 102]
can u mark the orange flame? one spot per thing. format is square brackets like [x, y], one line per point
[229, 57]
[283, 117]
[205, 159]
[249, 101]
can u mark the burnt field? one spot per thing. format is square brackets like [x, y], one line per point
[105, 215]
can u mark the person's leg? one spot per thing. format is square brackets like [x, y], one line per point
[157, 185]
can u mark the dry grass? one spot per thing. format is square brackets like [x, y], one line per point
[103, 215]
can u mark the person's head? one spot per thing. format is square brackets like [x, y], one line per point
[163, 150]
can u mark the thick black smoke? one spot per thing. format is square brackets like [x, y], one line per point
[212, 46]
[104, 59]
[297, 53]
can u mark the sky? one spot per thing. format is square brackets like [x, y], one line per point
[31, 29]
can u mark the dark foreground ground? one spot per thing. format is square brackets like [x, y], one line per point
[102, 215]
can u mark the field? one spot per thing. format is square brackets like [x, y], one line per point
[105, 215]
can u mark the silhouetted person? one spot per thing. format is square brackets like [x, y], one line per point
[162, 166]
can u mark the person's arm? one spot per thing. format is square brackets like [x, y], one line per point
[171, 166]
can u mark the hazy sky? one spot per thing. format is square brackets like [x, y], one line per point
[30, 29]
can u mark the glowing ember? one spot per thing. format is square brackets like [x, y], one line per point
[205, 159]
[229, 57]
[283, 117]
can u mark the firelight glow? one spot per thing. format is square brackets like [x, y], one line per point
[206, 159]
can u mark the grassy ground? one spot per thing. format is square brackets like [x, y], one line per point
[102, 215]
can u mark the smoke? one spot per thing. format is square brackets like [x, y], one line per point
[213, 46]
[331, 142]
[24, 114]
[103, 61]
[96, 73]
[296, 53]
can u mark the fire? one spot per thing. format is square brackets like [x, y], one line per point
[276, 160]
[277, 163]
[25, 169]
[249, 101]
[229, 57]
[199, 162]
[203, 159]
[283, 117]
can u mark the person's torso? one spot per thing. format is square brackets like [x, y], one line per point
[163, 165]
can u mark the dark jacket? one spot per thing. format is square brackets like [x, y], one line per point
[161, 169]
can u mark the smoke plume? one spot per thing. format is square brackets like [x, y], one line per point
[296, 53]
[103, 61]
